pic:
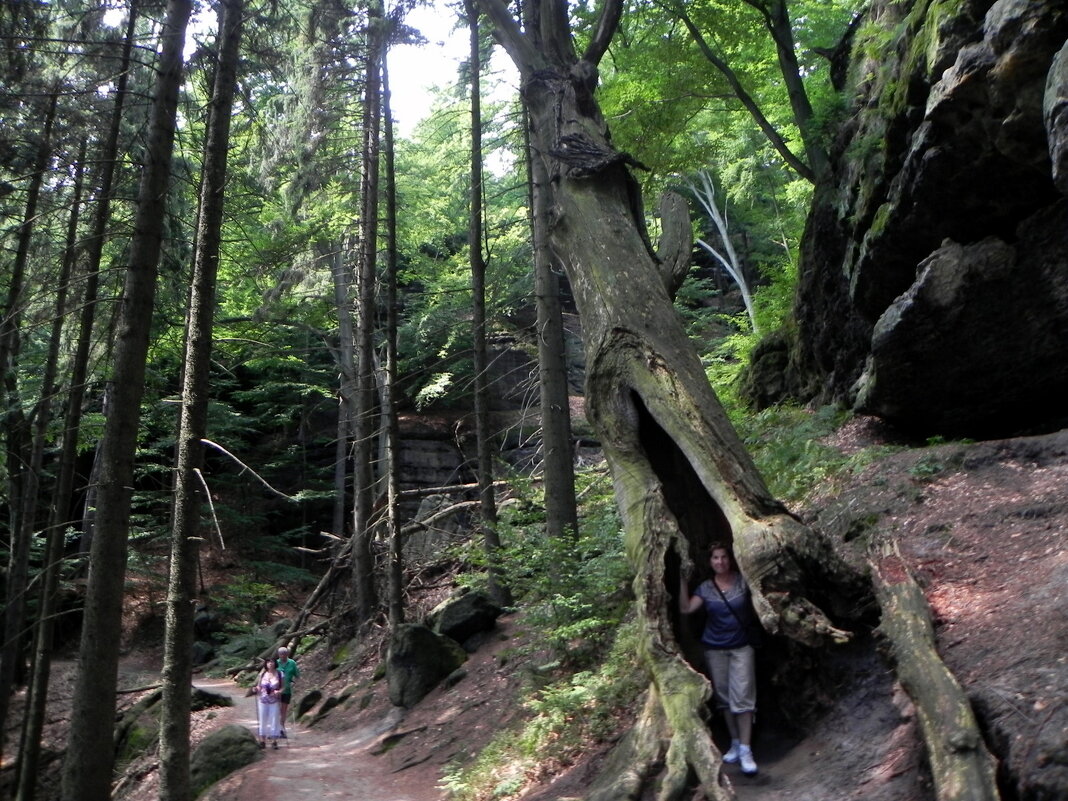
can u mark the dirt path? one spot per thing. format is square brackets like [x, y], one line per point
[311, 764]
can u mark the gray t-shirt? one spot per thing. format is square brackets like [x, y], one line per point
[722, 627]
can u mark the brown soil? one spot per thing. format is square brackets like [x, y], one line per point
[981, 526]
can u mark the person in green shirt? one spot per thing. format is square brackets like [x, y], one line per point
[290, 672]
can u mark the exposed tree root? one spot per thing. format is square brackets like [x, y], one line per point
[962, 767]
[637, 757]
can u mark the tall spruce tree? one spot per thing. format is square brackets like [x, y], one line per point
[90, 748]
[193, 422]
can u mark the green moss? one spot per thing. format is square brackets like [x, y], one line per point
[137, 738]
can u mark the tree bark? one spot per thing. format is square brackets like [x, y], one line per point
[483, 435]
[346, 402]
[682, 476]
[558, 459]
[90, 751]
[363, 474]
[181, 587]
[391, 427]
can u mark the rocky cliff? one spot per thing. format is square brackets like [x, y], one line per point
[934, 267]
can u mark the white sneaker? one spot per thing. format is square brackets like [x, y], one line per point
[745, 756]
[732, 754]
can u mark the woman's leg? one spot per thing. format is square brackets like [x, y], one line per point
[261, 722]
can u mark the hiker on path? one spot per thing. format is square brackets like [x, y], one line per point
[268, 703]
[290, 673]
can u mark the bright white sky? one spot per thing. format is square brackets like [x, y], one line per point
[414, 70]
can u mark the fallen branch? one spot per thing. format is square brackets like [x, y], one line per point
[962, 768]
[245, 467]
[424, 492]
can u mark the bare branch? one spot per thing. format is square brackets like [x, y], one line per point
[512, 39]
[607, 24]
[245, 467]
[211, 505]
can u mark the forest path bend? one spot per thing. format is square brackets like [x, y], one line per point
[310, 763]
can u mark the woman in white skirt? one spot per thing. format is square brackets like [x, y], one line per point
[268, 703]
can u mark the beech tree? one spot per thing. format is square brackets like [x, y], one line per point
[676, 460]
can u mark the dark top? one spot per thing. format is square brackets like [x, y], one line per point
[722, 629]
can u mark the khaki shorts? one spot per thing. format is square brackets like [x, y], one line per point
[733, 678]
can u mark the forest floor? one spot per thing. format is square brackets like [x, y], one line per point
[982, 527]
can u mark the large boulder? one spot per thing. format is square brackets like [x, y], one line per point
[465, 616]
[220, 754]
[418, 659]
[958, 106]
[978, 297]
[1055, 115]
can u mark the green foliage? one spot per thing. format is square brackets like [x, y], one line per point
[246, 600]
[576, 596]
[561, 721]
[574, 592]
[785, 444]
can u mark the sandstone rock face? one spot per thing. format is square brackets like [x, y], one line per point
[940, 236]
[1055, 114]
[419, 659]
[463, 617]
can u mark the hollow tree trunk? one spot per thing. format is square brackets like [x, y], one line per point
[676, 461]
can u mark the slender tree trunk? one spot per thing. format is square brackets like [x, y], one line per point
[181, 589]
[782, 32]
[483, 435]
[346, 359]
[362, 558]
[558, 463]
[61, 497]
[94, 252]
[681, 473]
[22, 494]
[90, 748]
[33, 721]
[389, 379]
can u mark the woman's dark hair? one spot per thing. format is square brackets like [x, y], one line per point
[271, 661]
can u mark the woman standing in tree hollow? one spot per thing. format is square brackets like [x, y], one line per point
[728, 653]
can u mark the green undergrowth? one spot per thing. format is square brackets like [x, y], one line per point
[788, 445]
[582, 682]
[564, 720]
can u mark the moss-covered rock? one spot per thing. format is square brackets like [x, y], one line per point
[220, 754]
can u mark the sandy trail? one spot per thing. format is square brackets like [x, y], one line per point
[311, 764]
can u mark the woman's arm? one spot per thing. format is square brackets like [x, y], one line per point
[688, 603]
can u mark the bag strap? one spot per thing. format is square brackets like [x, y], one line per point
[728, 603]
